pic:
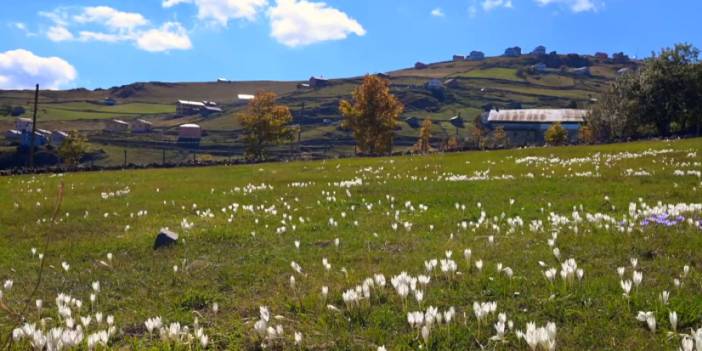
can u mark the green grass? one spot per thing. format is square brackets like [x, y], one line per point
[552, 80]
[85, 110]
[509, 74]
[243, 263]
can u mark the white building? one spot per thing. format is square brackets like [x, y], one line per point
[527, 126]
[189, 132]
[142, 126]
[116, 126]
[185, 107]
[435, 84]
[23, 124]
[57, 138]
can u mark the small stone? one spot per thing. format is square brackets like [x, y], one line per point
[165, 238]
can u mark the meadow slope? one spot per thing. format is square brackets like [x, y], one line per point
[546, 230]
[470, 86]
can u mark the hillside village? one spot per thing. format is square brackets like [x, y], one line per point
[522, 93]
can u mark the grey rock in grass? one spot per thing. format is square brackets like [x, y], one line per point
[165, 238]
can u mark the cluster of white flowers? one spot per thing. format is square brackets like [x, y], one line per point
[72, 329]
[543, 338]
[116, 193]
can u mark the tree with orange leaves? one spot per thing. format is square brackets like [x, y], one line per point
[264, 123]
[372, 116]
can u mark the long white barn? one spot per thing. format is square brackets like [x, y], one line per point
[527, 127]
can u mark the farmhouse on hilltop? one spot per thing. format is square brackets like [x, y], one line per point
[476, 56]
[434, 85]
[319, 82]
[539, 51]
[116, 126]
[141, 126]
[527, 127]
[513, 52]
[41, 138]
[189, 134]
[23, 124]
[186, 108]
[420, 65]
[58, 137]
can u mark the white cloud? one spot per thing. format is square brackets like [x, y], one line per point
[301, 22]
[108, 25]
[222, 11]
[489, 5]
[574, 5]
[437, 12]
[171, 36]
[58, 16]
[103, 37]
[171, 3]
[111, 18]
[21, 26]
[59, 33]
[21, 69]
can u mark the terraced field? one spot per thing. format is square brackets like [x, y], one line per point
[495, 81]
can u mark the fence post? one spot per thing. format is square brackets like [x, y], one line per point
[125, 159]
[163, 157]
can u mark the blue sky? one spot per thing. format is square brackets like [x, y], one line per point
[103, 43]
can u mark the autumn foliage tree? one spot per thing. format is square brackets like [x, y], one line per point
[556, 134]
[372, 115]
[423, 145]
[586, 135]
[264, 123]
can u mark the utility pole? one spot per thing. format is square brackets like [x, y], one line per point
[34, 127]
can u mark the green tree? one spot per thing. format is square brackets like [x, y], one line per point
[663, 97]
[500, 136]
[372, 116]
[556, 134]
[616, 116]
[264, 123]
[72, 149]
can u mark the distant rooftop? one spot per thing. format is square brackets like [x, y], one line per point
[191, 103]
[538, 115]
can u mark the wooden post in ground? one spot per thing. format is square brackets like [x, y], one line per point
[34, 127]
[125, 159]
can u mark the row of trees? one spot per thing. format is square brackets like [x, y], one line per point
[662, 98]
[12, 111]
[372, 116]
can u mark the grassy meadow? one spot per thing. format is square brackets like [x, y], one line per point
[247, 231]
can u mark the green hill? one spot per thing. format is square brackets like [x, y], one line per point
[469, 87]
